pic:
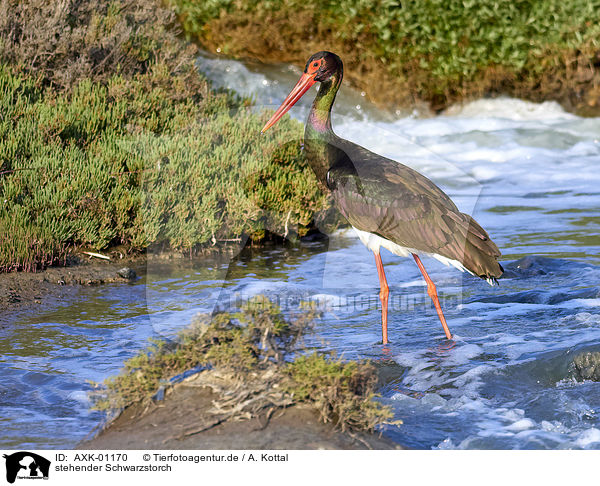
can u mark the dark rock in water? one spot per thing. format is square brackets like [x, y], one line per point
[314, 235]
[578, 294]
[526, 267]
[526, 297]
[586, 366]
[532, 265]
[126, 273]
[541, 297]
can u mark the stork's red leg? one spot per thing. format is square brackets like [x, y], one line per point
[431, 290]
[383, 296]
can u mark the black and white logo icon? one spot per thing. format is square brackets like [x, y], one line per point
[26, 465]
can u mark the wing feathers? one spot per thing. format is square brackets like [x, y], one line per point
[391, 200]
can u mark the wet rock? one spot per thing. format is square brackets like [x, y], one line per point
[541, 297]
[314, 235]
[559, 297]
[526, 297]
[126, 273]
[526, 267]
[532, 266]
[586, 366]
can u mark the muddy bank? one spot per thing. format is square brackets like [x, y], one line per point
[26, 291]
[172, 423]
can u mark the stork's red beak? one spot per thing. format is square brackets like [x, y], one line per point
[302, 86]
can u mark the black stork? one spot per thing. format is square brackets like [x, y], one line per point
[389, 204]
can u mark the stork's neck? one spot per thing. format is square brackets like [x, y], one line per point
[319, 118]
[318, 133]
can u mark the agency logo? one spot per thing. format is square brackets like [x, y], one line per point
[26, 465]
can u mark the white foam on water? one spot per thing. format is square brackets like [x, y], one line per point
[521, 424]
[412, 283]
[433, 145]
[588, 437]
[337, 303]
[79, 396]
[434, 400]
[509, 108]
[505, 426]
[509, 427]
[463, 354]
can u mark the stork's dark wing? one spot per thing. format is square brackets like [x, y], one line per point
[384, 197]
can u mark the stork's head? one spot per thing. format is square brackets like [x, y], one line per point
[321, 67]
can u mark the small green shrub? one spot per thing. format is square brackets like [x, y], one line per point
[109, 136]
[342, 392]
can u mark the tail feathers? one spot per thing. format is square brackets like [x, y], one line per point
[481, 254]
[493, 280]
[472, 249]
[481, 263]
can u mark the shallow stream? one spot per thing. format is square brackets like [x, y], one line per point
[529, 174]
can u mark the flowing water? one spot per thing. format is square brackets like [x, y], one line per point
[530, 174]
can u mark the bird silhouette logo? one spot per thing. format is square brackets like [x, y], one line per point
[26, 465]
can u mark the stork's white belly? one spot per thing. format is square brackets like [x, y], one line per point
[374, 242]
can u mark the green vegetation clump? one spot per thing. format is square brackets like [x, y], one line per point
[436, 51]
[110, 136]
[342, 392]
[249, 359]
